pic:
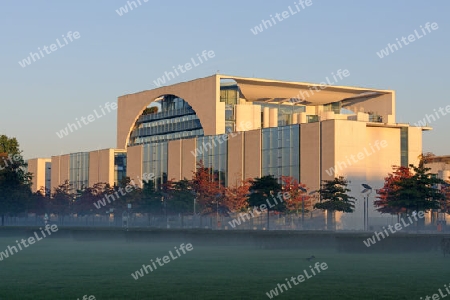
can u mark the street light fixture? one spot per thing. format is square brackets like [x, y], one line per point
[367, 188]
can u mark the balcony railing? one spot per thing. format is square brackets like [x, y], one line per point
[167, 128]
[166, 115]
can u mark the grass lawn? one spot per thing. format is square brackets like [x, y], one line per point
[67, 269]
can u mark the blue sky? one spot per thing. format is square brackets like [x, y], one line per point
[117, 55]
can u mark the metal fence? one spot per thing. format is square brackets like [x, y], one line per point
[315, 220]
[238, 221]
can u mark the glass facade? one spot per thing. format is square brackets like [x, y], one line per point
[280, 151]
[285, 112]
[48, 176]
[334, 107]
[229, 93]
[79, 170]
[213, 152]
[312, 118]
[154, 161]
[120, 167]
[172, 119]
[404, 146]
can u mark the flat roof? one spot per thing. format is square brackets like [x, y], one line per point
[258, 89]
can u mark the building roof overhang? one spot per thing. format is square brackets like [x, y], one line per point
[302, 93]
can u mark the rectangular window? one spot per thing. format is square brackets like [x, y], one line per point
[280, 151]
[154, 161]
[214, 155]
[404, 159]
[79, 170]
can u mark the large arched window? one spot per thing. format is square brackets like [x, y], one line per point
[167, 118]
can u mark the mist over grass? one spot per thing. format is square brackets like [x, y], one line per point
[98, 263]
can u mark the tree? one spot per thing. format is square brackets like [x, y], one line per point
[62, 200]
[386, 199]
[39, 202]
[150, 201]
[9, 145]
[415, 191]
[445, 203]
[83, 205]
[425, 158]
[265, 191]
[236, 197]
[150, 110]
[298, 200]
[334, 197]
[209, 191]
[122, 198]
[181, 198]
[15, 183]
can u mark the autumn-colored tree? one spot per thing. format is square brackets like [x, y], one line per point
[411, 189]
[209, 191]
[414, 189]
[150, 110]
[386, 197]
[236, 197]
[299, 200]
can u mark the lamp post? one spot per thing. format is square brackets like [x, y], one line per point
[109, 212]
[303, 204]
[165, 210]
[129, 215]
[217, 209]
[367, 188]
[194, 216]
[217, 213]
[314, 192]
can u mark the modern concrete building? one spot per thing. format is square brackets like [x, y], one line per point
[82, 169]
[327, 125]
[439, 165]
[41, 170]
[247, 127]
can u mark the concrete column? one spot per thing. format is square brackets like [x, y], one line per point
[266, 117]
[302, 118]
[273, 117]
[256, 117]
[244, 114]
